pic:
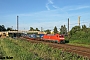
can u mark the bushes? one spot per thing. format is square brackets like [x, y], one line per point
[80, 36]
[17, 52]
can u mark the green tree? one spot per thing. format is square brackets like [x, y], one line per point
[9, 29]
[31, 29]
[37, 29]
[84, 28]
[48, 31]
[55, 30]
[75, 29]
[2, 28]
[63, 30]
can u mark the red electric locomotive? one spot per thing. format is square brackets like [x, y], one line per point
[56, 38]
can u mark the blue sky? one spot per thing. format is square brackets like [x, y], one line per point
[44, 13]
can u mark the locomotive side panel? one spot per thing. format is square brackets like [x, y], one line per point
[57, 38]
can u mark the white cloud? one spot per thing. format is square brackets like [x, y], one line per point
[82, 7]
[79, 7]
[47, 6]
[50, 2]
[55, 6]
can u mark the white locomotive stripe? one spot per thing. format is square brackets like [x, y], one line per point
[62, 38]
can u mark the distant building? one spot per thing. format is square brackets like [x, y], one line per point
[52, 32]
[14, 33]
[3, 34]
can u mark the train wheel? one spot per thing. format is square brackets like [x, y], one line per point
[58, 42]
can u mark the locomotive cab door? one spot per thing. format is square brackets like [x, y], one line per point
[62, 39]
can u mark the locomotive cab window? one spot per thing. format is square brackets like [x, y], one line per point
[61, 36]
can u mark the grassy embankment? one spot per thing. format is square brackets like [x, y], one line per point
[24, 50]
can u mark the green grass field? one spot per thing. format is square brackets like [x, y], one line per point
[24, 50]
[80, 43]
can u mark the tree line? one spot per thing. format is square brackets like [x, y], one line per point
[2, 28]
[63, 30]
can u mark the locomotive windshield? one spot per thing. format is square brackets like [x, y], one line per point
[61, 36]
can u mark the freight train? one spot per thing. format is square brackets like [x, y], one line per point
[46, 37]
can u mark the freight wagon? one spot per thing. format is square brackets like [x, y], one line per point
[33, 36]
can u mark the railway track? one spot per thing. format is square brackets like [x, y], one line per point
[82, 51]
